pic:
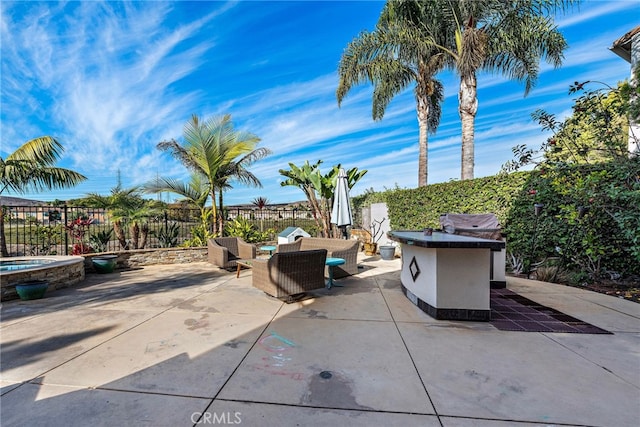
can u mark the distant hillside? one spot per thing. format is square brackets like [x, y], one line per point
[17, 201]
[290, 205]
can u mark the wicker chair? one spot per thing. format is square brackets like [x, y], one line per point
[224, 251]
[336, 248]
[290, 273]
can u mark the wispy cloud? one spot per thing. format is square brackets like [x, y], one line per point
[596, 10]
[112, 79]
[111, 91]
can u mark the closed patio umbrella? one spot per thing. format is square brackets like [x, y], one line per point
[341, 212]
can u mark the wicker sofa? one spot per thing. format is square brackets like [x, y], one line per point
[224, 251]
[336, 248]
[290, 273]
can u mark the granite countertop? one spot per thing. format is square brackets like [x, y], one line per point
[443, 240]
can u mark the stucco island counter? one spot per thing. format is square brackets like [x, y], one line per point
[447, 275]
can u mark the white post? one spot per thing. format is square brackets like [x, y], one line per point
[634, 128]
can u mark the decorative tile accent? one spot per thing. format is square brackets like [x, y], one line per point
[510, 312]
[513, 312]
[448, 313]
[414, 269]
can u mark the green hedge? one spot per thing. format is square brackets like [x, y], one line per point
[604, 241]
[421, 207]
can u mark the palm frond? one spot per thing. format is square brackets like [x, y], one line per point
[44, 150]
[31, 168]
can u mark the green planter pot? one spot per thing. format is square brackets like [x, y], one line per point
[34, 289]
[104, 264]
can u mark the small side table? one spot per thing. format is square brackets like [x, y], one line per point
[332, 262]
[268, 248]
[248, 263]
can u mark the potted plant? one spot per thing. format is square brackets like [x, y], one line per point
[375, 233]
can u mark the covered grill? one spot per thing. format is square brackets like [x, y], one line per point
[483, 226]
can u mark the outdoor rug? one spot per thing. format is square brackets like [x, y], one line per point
[513, 312]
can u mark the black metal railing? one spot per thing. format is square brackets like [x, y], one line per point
[66, 230]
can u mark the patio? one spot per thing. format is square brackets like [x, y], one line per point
[187, 344]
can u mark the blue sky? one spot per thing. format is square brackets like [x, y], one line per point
[111, 80]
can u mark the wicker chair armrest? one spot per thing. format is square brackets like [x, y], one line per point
[350, 255]
[218, 255]
[260, 267]
[344, 253]
[289, 247]
[246, 250]
[340, 245]
[261, 277]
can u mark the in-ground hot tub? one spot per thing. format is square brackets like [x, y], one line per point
[59, 271]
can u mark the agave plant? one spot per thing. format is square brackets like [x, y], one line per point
[168, 236]
[100, 240]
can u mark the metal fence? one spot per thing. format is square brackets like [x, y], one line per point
[46, 230]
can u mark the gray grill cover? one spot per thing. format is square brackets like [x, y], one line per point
[484, 226]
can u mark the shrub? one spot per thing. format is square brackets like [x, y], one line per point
[199, 236]
[241, 227]
[168, 236]
[415, 209]
[590, 219]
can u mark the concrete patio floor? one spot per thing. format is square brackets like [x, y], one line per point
[183, 345]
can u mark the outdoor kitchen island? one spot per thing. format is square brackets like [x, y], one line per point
[447, 275]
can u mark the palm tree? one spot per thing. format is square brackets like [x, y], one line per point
[237, 171]
[393, 57]
[137, 214]
[218, 152]
[31, 167]
[261, 203]
[307, 178]
[125, 206]
[194, 193]
[319, 188]
[495, 35]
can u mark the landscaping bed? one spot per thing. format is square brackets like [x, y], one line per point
[627, 289]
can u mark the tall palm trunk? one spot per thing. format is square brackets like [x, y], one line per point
[467, 107]
[423, 152]
[119, 232]
[426, 91]
[144, 235]
[135, 234]
[220, 219]
[214, 212]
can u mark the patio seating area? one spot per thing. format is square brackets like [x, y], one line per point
[336, 248]
[191, 344]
